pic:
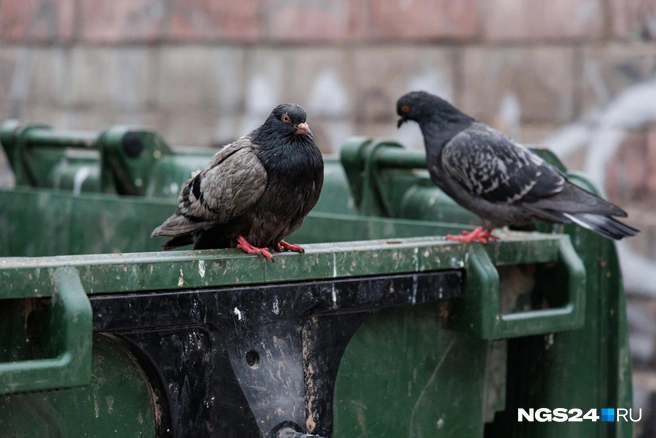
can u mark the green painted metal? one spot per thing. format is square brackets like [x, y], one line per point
[83, 162]
[120, 161]
[69, 333]
[428, 395]
[387, 180]
[437, 389]
[117, 402]
[584, 368]
[96, 223]
[171, 270]
[542, 322]
[597, 358]
[482, 313]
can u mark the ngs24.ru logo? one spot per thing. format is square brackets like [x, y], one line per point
[561, 415]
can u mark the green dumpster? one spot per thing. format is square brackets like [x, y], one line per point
[382, 329]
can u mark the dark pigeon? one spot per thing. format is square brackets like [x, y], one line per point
[254, 192]
[498, 179]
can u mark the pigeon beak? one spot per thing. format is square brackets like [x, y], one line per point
[304, 129]
[401, 121]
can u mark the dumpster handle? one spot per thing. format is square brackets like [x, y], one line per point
[481, 308]
[23, 166]
[70, 323]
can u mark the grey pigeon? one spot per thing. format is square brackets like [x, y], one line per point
[254, 192]
[497, 178]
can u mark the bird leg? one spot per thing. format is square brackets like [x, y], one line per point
[478, 235]
[243, 244]
[284, 246]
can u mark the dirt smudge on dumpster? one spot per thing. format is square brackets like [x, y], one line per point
[310, 389]
[201, 268]
[110, 404]
[157, 405]
[96, 406]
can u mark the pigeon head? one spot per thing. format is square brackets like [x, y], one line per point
[287, 120]
[420, 106]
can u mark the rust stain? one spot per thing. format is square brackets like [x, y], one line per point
[444, 309]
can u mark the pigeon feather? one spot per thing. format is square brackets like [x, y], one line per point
[232, 182]
[497, 169]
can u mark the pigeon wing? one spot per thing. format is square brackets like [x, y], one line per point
[233, 181]
[493, 167]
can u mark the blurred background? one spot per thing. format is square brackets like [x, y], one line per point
[576, 76]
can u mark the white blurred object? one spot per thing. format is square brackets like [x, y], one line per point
[601, 134]
[509, 117]
[261, 97]
[432, 80]
[328, 97]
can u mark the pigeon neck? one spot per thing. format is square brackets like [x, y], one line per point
[266, 135]
[438, 132]
[292, 158]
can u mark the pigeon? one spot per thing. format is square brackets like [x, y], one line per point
[498, 179]
[254, 192]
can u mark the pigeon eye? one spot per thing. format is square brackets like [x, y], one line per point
[285, 118]
[405, 108]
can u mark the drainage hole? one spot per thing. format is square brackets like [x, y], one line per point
[253, 359]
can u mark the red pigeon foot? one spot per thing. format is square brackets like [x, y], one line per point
[243, 244]
[478, 235]
[284, 246]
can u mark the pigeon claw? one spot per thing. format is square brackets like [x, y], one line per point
[284, 246]
[478, 235]
[243, 244]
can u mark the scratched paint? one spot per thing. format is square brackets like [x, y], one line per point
[201, 268]
[181, 278]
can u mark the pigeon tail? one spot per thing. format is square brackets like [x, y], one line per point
[178, 241]
[180, 228]
[177, 225]
[574, 200]
[603, 225]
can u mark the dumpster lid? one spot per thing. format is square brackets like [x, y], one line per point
[30, 277]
